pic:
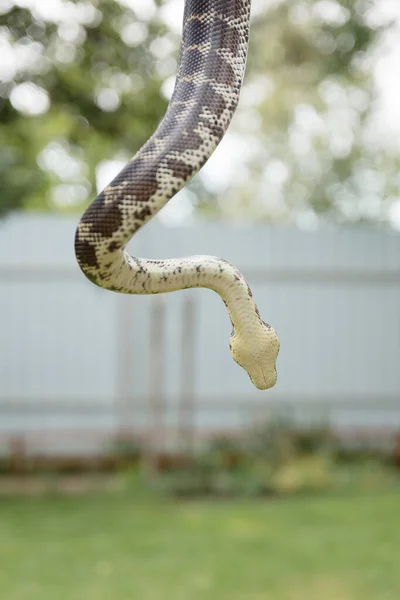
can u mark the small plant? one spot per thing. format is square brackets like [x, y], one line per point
[276, 458]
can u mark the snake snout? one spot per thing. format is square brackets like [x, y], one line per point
[264, 380]
[257, 356]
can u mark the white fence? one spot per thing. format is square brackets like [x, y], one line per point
[74, 358]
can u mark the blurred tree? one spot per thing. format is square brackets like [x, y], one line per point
[80, 83]
[311, 143]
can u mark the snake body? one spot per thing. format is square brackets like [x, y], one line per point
[211, 67]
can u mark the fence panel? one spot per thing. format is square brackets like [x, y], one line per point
[74, 358]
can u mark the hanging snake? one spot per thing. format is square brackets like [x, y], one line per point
[211, 67]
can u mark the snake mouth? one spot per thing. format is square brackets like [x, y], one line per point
[264, 380]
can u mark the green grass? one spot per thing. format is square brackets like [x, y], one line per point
[111, 547]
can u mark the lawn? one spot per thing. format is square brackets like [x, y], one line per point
[111, 547]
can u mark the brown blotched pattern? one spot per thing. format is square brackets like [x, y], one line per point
[210, 72]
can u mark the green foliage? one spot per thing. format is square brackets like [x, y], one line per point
[103, 97]
[312, 147]
[277, 458]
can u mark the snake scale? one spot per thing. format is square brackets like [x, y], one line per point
[211, 67]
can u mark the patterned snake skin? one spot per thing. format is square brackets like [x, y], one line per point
[210, 72]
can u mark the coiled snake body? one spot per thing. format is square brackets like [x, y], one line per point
[210, 72]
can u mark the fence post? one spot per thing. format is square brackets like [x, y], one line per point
[124, 365]
[156, 399]
[186, 407]
[18, 454]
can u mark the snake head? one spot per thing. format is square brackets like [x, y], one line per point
[257, 354]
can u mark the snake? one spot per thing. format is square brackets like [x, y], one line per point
[210, 70]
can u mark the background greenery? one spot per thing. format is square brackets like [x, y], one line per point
[88, 81]
[275, 458]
